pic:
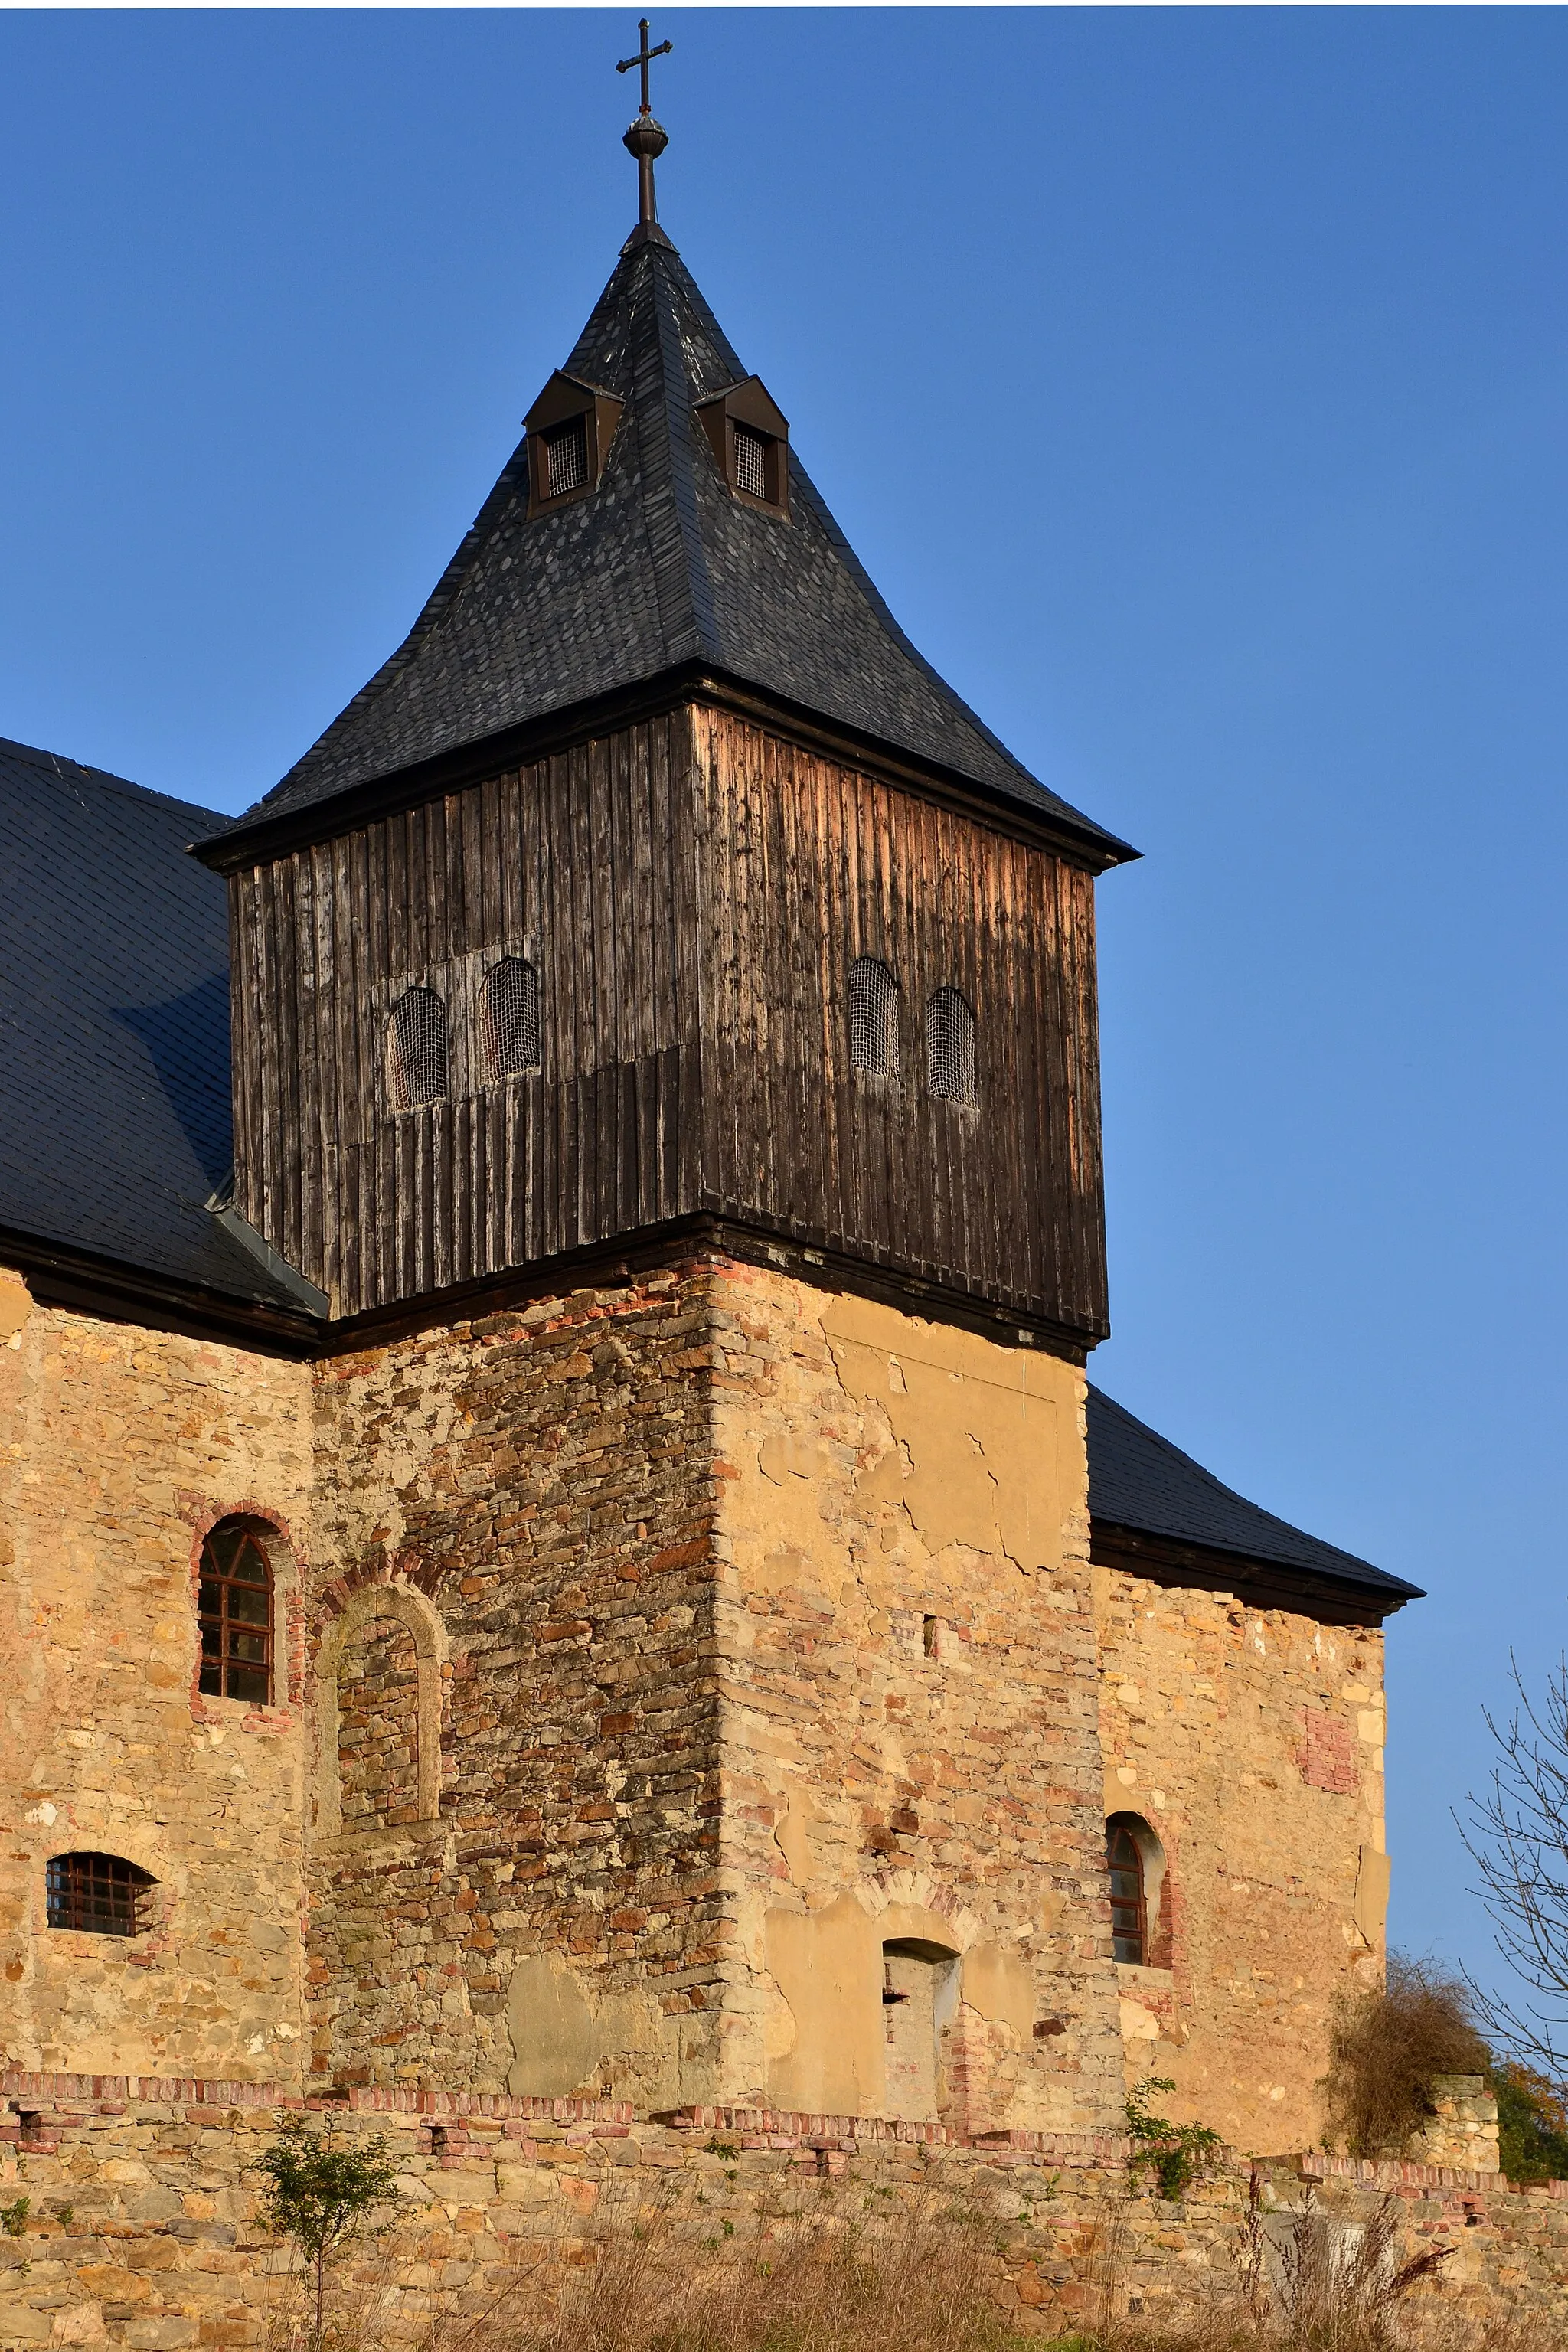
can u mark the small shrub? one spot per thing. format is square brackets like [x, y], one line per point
[1387, 2048]
[320, 2197]
[1177, 2154]
[14, 2218]
[1533, 2124]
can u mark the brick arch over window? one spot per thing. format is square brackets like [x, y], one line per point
[378, 1685]
[417, 1052]
[1139, 1891]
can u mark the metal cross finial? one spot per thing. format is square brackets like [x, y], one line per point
[645, 139]
[644, 57]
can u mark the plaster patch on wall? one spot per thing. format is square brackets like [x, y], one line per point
[1370, 1909]
[979, 1430]
[15, 1303]
[562, 2030]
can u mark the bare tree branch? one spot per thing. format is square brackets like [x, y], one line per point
[1516, 1833]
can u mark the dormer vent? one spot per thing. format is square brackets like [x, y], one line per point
[570, 428]
[566, 456]
[749, 435]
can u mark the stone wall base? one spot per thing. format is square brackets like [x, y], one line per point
[127, 2206]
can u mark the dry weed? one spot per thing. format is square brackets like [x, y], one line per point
[828, 2281]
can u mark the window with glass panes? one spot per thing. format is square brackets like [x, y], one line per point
[234, 1609]
[1129, 1930]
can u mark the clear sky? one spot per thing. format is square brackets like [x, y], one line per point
[1192, 383]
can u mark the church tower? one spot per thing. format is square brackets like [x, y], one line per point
[664, 1030]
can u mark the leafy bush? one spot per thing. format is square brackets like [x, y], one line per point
[1387, 2048]
[1177, 2154]
[1533, 2124]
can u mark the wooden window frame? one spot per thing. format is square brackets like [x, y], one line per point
[221, 1664]
[1116, 1829]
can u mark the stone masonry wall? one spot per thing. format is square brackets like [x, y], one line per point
[525, 1503]
[910, 1747]
[119, 1447]
[130, 2210]
[1251, 1742]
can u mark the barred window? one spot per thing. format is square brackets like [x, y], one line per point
[1129, 1922]
[234, 1609]
[416, 1043]
[97, 1893]
[950, 1047]
[873, 1018]
[751, 461]
[509, 1017]
[566, 456]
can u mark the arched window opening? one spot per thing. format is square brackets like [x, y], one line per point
[234, 1608]
[510, 1018]
[1139, 1909]
[97, 1893]
[1128, 1920]
[920, 1996]
[417, 1049]
[950, 1047]
[873, 1018]
[378, 1726]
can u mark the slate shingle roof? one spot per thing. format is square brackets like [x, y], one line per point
[660, 568]
[1140, 1481]
[114, 1099]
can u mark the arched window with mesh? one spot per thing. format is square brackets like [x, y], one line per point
[97, 1893]
[873, 1018]
[950, 1046]
[509, 1018]
[417, 1049]
[234, 1607]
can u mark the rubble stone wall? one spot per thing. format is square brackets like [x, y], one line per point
[1251, 1742]
[118, 1448]
[130, 2210]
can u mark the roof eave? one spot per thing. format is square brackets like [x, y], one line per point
[1337, 1598]
[251, 839]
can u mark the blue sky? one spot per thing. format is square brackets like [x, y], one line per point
[1193, 382]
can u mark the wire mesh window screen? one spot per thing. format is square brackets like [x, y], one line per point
[751, 462]
[418, 1049]
[950, 1046]
[566, 456]
[510, 1018]
[97, 1893]
[234, 1610]
[873, 1018]
[1127, 1923]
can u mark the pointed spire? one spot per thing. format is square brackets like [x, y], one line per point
[646, 140]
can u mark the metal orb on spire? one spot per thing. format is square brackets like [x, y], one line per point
[647, 138]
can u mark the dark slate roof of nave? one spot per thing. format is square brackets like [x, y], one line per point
[114, 1100]
[1139, 1480]
[658, 568]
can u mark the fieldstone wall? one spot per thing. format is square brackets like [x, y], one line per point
[1252, 1743]
[129, 2206]
[118, 1448]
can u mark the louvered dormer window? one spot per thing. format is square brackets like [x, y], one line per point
[749, 435]
[570, 429]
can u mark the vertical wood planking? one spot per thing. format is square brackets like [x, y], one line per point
[692, 892]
